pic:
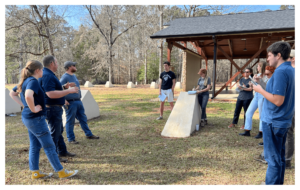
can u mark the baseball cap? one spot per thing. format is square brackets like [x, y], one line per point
[69, 64]
[292, 54]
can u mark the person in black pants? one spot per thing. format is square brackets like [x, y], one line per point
[244, 99]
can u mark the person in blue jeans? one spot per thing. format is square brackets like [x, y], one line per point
[33, 117]
[278, 110]
[204, 84]
[73, 105]
[54, 99]
[256, 102]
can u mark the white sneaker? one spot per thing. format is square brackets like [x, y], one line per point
[159, 118]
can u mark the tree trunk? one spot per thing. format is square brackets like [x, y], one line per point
[145, 68]
[49, 41]
[21, 57]
[161, 44]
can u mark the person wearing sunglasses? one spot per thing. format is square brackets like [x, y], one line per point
[244, 99]
[73, 105]
[256, 102]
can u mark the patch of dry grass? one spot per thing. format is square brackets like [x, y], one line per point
[131, 151]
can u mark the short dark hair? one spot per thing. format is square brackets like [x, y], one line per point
[167, 62]
[47, 60]
[251, 71]
[283, 48]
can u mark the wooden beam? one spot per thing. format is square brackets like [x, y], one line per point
[255, 55]
[170, 46]
[228, 82]
[261, 42]
[234, 36]
[214, 67]
[230, 47]
[183, 48]
[228, 57]
[184, 44]
[203, 54]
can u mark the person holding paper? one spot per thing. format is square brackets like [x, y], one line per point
[204, 84]
[166, 86]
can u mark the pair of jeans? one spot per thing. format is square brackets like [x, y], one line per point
[55, 124]
[290, 142]
[256, 102]
[238, 108]
[274, 152]
[39, 136]
[76, 110]
[203, 99]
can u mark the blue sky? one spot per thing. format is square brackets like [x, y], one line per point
[76, 12]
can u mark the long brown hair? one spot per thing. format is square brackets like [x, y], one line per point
[262, 65]
[28, 71]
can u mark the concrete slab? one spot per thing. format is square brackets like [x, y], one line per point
[130, 85]
[90, 106]
[184, 117]
[88, 84]
[10, 105]
[178, 85]
[108, 84]
[154, 85]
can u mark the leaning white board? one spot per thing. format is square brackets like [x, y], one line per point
[90, 106]
[184, 117]
[10, 105]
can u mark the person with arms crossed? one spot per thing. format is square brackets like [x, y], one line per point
[54, 98]
[73, 105]
[278, 110]
[33, 117]
[166, 86]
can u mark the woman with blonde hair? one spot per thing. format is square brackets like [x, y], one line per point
[33, 117]
[256, 102]
[204, 84]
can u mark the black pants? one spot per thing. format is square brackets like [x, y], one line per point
[238, 108]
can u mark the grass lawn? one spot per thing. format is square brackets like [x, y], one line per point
[131, 151]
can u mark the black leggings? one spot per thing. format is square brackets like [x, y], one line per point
[238, 108]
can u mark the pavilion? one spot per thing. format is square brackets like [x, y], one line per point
[232, 36]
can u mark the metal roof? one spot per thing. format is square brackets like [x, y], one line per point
[282, 20]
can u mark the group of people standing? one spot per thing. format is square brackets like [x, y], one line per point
[43, 97]
[274, 97]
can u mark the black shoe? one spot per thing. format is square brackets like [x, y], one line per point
[259, 135]
[288, 164]
[92, 137]
[62, 159]
[74, 142]
[205, 121]
[246, 133]
[67, 154]
[261, 144]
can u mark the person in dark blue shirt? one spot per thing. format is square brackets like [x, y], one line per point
[33, 117]
[54, 100]
[278, 110]
[14, 94]
[73, 105]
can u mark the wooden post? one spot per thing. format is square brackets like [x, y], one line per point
[215, 63]
[170, 45]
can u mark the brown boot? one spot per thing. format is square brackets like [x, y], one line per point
[231, 125]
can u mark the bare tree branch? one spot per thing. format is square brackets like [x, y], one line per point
[37, 54]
